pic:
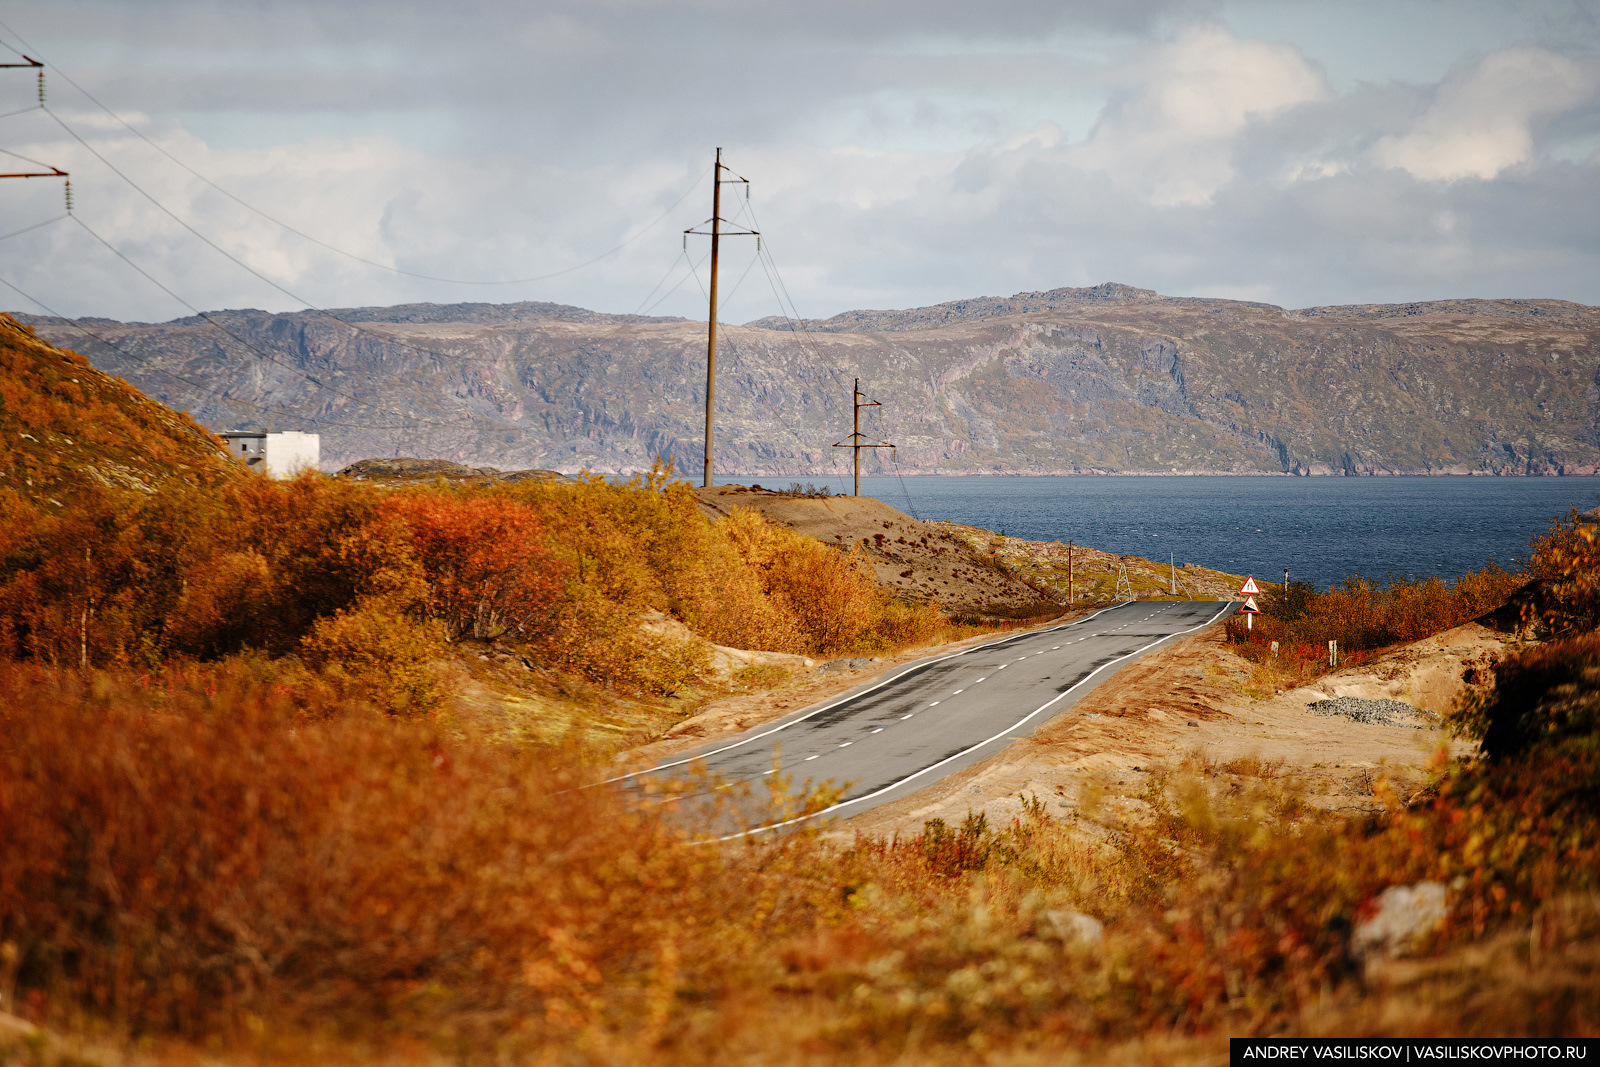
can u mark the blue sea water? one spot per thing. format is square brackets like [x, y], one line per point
[1323, 529]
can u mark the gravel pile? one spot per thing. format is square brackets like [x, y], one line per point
[848, 664]
[1377, 712]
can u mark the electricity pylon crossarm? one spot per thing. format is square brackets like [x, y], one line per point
[857, 441]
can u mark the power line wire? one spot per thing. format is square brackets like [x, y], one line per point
[385, 337]
[26, 159]
[35, 226]
[324, 244]
[795, 322]
[258, 351]
[212, 391]
[692, 266]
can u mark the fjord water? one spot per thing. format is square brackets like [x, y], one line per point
[1323, 529]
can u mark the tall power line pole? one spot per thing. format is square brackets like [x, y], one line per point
[715, 233]
[856, 441]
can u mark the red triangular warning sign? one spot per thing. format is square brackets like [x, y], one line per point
[1250, 605]
[1250, 588]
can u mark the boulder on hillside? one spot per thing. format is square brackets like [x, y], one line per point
[1400, 920]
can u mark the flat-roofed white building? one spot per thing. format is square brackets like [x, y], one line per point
[280, 454]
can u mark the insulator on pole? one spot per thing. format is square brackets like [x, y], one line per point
[686, 242]
[746, 184]
[758, 244]
[41, 86]
[69, 196]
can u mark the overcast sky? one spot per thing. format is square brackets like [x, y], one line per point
[900, 152]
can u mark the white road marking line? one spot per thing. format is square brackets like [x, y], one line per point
[846, 698]
[808, 759]
[1021, 722]
[773, 771]
[936, 703]
[847, 744]
[958, 692]
[1002, 666]
[985, 678]
[908, 714]
[879, 730]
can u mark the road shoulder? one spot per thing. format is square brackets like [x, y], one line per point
[1191, 700]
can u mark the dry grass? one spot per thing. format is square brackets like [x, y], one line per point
[248, 856]
[241, 858]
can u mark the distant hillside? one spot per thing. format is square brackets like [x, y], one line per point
[1106, 379]
[65, 425]
[980, 307]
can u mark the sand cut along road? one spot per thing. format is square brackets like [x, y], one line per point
[908, 729]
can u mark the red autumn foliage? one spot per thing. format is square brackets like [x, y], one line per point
[488, 570]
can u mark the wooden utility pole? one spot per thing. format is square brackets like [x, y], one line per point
[715, 233]
[1069, 573]
[855, 441]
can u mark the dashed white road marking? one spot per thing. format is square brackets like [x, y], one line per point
[810, 758]
[957, 755]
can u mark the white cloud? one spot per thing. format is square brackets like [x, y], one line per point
[1173, 133]
[1219, 165]
[1481, 120]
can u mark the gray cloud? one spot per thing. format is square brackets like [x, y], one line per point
[902, 153]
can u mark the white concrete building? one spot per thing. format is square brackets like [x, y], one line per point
[280, 454]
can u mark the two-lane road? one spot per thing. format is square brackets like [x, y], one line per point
[908, 729]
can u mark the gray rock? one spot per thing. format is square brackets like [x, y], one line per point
[1403, 916]
[848, 664]
[1074, 927]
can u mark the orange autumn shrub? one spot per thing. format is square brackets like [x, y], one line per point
[1567, 559]
[488, 570]
[304, 566]
[238, 842]
[1362, 615]
[741, 581]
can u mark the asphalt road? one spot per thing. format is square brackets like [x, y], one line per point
[908, 728]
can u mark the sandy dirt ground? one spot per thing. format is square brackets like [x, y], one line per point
[920, 560]
[1195, 700]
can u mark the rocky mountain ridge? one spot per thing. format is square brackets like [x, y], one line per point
[1097, 380]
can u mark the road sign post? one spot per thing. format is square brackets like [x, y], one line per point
[1249, 591]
